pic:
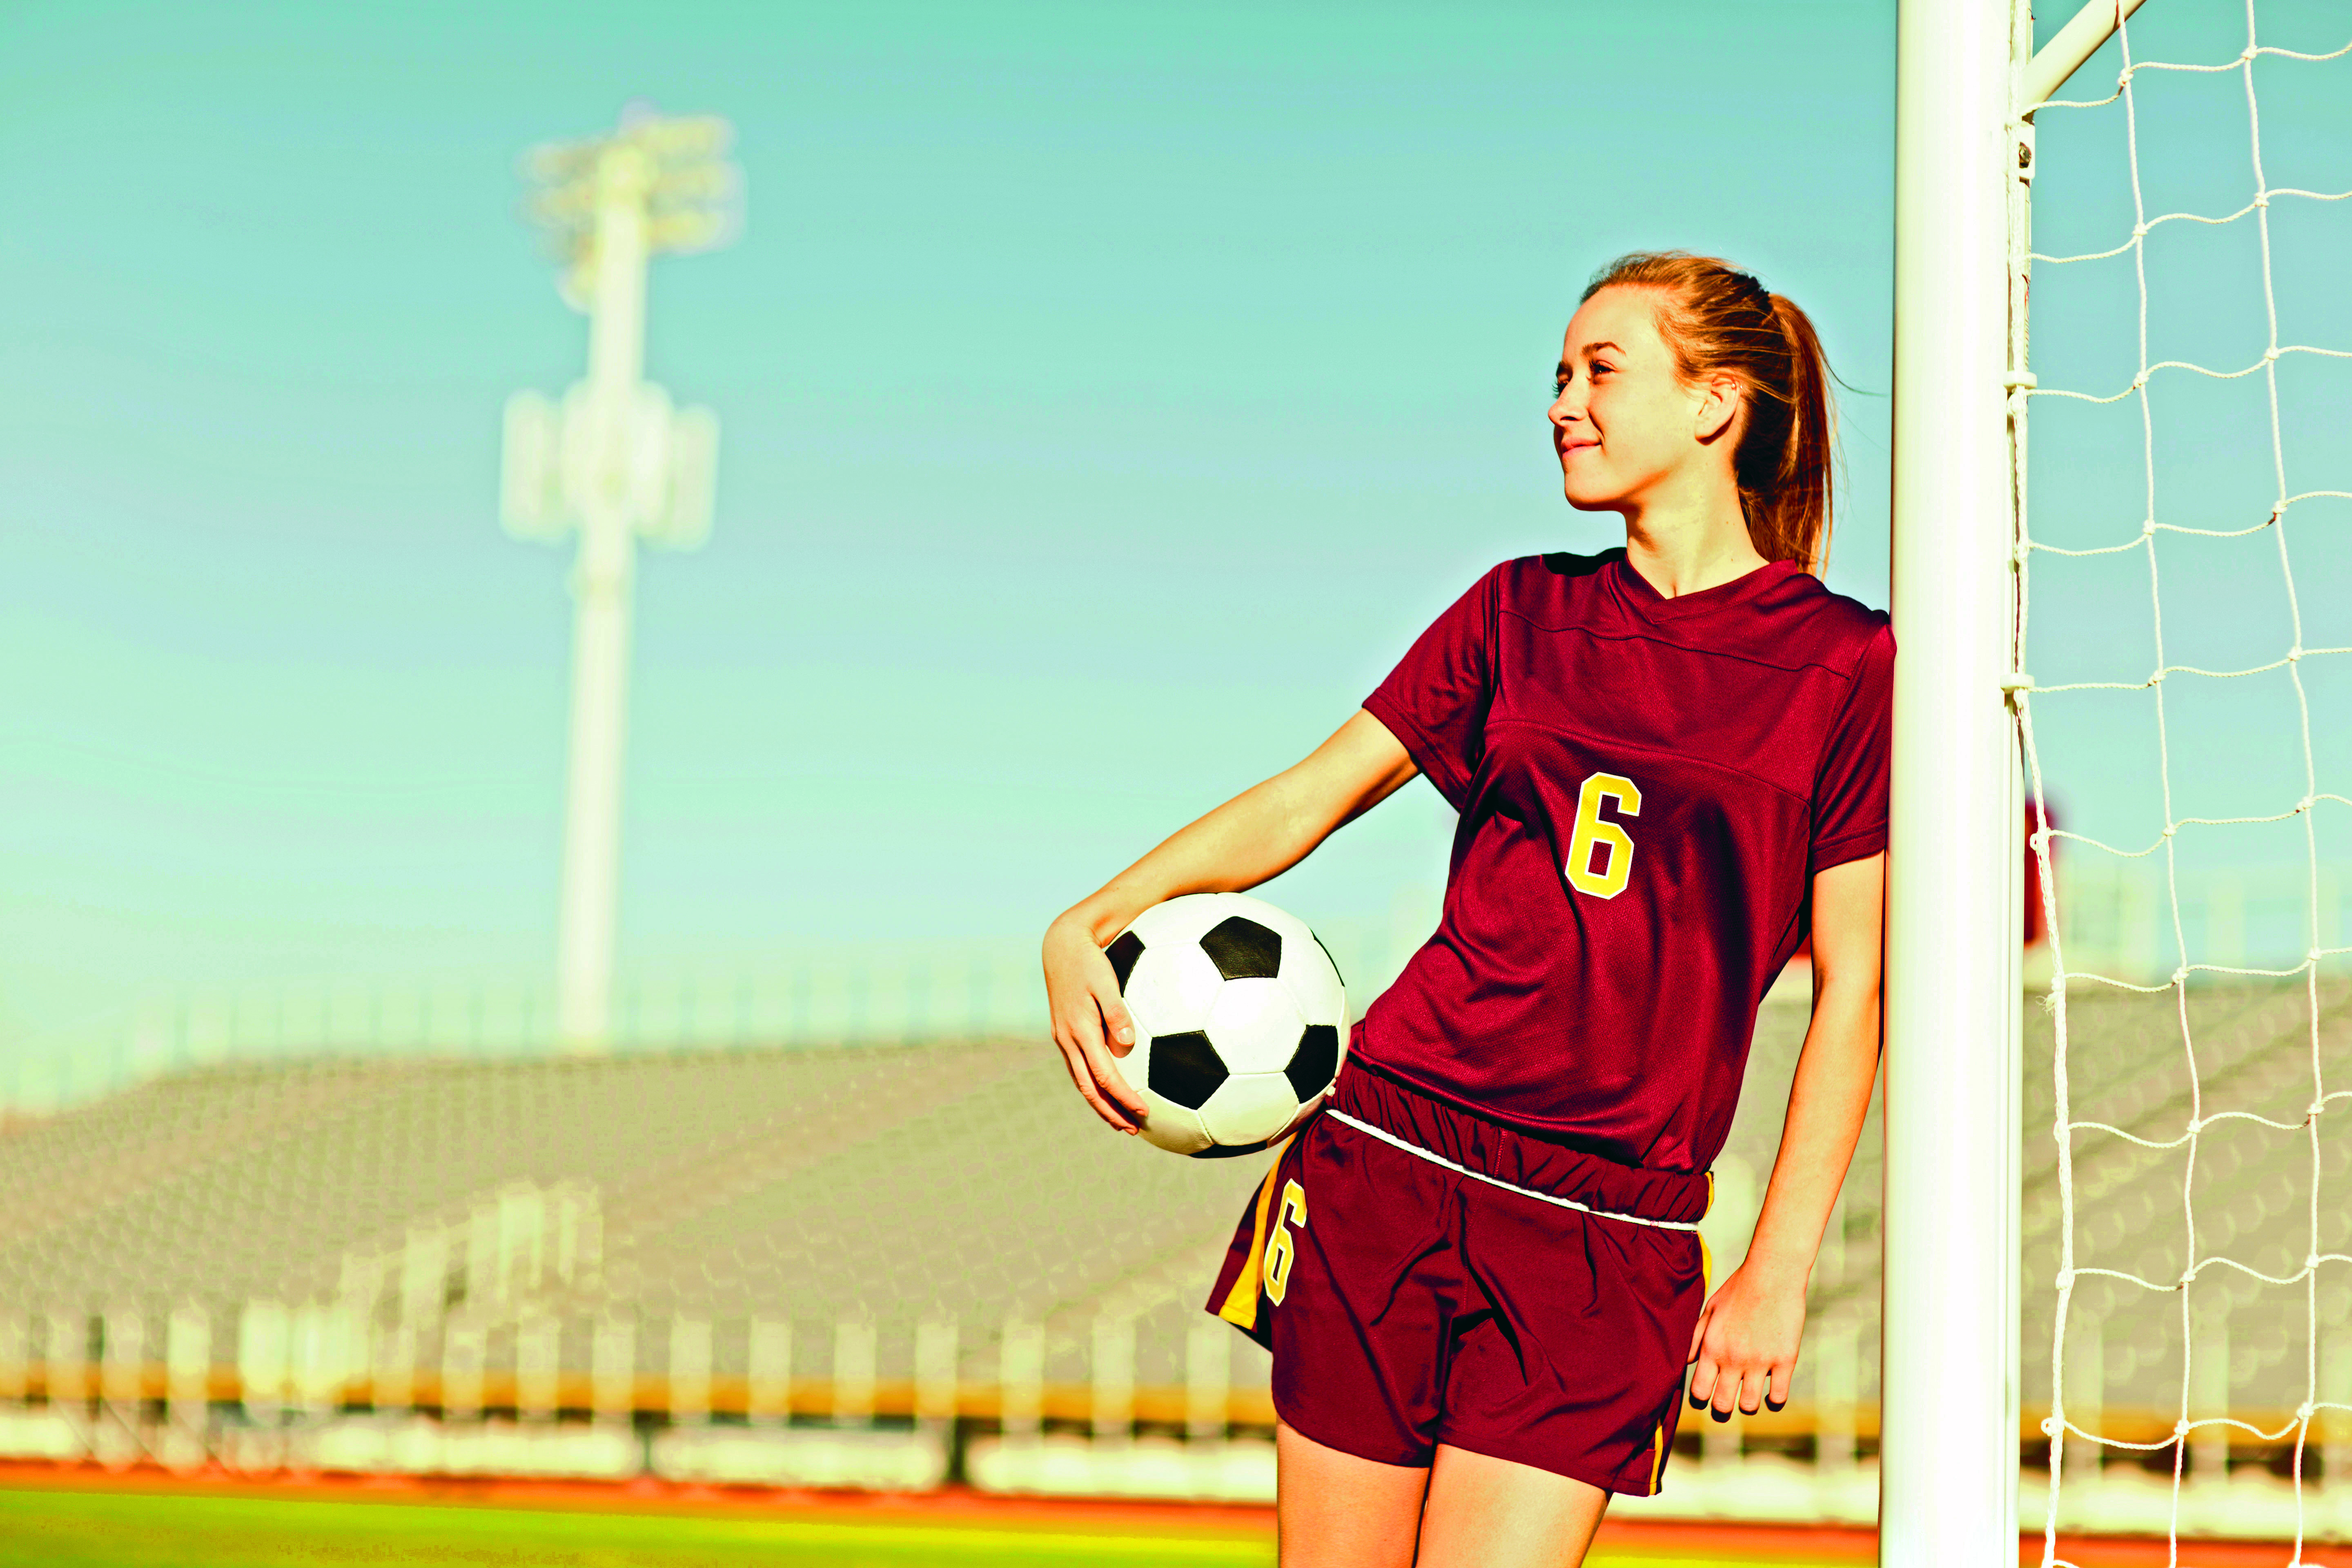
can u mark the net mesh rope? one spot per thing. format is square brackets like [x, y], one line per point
[2202, 1266]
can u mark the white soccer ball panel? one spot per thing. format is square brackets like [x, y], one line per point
[1314, 982]
[1256, 1025]
[1173, 1128]
[1134, 1066]
[1185, 919]
[1250, 1107]
[1172, 988]
[1291, 927]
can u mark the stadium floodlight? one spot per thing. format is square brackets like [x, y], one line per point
[1967, 78]
[617, 462]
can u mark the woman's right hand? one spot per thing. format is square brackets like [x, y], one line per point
[1091, 1025]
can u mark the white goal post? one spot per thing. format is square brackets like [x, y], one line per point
[1950, 1380]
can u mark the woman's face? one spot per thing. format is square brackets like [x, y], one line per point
[1622, 421]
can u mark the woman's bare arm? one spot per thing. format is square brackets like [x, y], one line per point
[1746, 1344]
[1259, 834]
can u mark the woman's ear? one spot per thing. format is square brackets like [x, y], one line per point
[1717, 406]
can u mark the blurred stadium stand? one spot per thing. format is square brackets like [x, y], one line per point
[892, 1265]
[933, 991]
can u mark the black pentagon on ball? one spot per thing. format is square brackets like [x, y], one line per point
[1122, 954]
[1316, 1062]
[1185, 1069]
[1233, 1151]
[1244, 949]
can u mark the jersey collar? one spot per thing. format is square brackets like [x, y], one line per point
[1634, 590]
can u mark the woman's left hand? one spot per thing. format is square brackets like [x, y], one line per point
[1744, 1350]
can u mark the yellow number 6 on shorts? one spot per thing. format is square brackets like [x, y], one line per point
[1280, 1248]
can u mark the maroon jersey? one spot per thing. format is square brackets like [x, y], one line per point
[1646, 787]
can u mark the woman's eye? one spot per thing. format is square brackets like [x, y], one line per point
[1600, 367]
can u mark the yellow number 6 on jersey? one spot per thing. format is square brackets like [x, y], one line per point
[1590, 830]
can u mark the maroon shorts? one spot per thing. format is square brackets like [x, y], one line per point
[1409, 1303]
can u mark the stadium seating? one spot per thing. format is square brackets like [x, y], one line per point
[900, 1261]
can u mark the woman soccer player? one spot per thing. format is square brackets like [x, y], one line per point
[1479, 1270]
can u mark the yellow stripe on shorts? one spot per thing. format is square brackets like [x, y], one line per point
[1240, 1308]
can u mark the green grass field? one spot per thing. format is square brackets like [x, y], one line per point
[99, 1529]
[123, 1529]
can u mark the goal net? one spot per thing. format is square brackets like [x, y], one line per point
[2184, 704]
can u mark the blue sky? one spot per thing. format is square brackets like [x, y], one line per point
[1108, 395]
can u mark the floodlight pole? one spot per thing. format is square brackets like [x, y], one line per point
[1949, 1383]
[615, 461]
[588, 911]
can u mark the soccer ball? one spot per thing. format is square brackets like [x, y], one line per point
[1240, 1021]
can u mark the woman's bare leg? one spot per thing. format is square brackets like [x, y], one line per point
[1336, 1510]
[1484, 1513]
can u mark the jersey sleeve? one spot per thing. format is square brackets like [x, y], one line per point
[1436, 700]
[1850, 791]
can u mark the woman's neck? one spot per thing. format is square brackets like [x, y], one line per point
[1685, 549]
